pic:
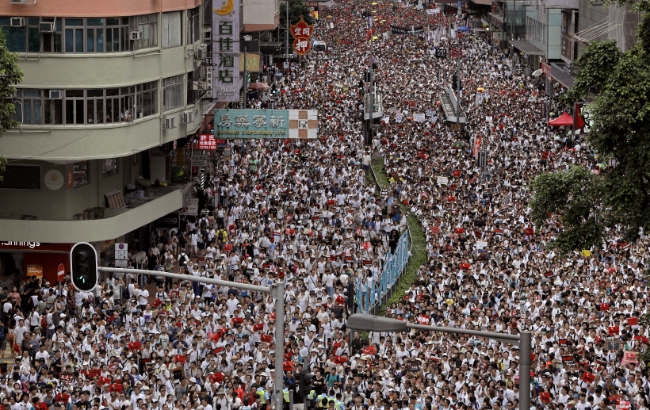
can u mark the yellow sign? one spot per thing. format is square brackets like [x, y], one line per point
[35, 270]
[586, 253]
[226, 8]
[252, 62]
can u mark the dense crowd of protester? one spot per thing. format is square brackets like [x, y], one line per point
[304, 212]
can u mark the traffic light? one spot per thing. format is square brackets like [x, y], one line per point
[455, 83]
[83, 264]
[367, 76]
[361, 85]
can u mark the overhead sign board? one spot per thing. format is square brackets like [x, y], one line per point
[247, 124]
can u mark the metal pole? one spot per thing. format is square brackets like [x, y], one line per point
[286, 32]
[502, 337]
[277, 291]
[245, 79]
[188, 277]
[372, 97]
[460, 51]
[524, 369]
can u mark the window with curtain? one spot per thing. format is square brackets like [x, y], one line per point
[194, 25]
[172, 92]
[172, 35]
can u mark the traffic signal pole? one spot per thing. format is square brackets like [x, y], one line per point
[367, 322]
[276, 290]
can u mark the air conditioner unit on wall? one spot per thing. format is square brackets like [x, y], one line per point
[170, 122]
[17, 22]
[47, 27]
[187, 117]
[56, 94]
[22, 1]
[199, 85]
[135, 35]
[200, 54]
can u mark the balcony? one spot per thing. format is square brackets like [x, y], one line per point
[562, 4]
[72, 143]
[154, 203]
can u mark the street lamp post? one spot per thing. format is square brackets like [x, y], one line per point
[367, 322]
[276, 290]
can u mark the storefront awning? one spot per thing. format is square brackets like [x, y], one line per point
[496, 17]
[562, 77]
[527, 47]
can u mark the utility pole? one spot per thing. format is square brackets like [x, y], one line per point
[245, 79]
[276, 290]
[460, 51]
[364, 321]
[372, 98]
[286, 32]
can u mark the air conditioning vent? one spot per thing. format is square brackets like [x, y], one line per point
[187, 117]
[21, 2]
[56, 94]
[200, 54]
[199, 85]
[47, 27]
[170, 122]
[17, 22]
[135, 35]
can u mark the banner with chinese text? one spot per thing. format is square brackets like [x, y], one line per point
[226, 81]
[293, 124]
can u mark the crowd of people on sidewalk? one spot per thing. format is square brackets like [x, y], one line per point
[306, 213]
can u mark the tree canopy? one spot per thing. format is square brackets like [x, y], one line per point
[10, 75]
[618, 197]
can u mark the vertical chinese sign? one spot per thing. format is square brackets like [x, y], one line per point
[226, 81]
[302, 33]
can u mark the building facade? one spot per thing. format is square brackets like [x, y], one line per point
[109, 89]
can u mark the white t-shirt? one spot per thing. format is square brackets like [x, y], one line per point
[143, 297]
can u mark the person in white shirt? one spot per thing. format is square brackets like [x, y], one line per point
[143, 297]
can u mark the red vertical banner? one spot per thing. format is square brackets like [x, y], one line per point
[478, 140]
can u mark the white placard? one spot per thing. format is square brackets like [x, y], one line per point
[442, 180]
[123, 255]
[200, 160]
[481, 244]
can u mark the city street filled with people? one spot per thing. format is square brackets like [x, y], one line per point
[309, 213]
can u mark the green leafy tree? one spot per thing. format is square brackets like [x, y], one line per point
[585, 203]
[297, 9]
[10, 75]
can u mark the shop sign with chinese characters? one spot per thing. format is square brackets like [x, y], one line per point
[226, 80]
[302, 32]
[293, 124]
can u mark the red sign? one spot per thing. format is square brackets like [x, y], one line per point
[60, 272]
[301, 47]
[477, 145]
[207, 141]
[70, 178]
[546, 69]
[301, 30]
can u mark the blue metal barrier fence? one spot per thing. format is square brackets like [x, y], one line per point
[370, 291]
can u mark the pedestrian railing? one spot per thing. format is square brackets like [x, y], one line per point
[372, 293]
